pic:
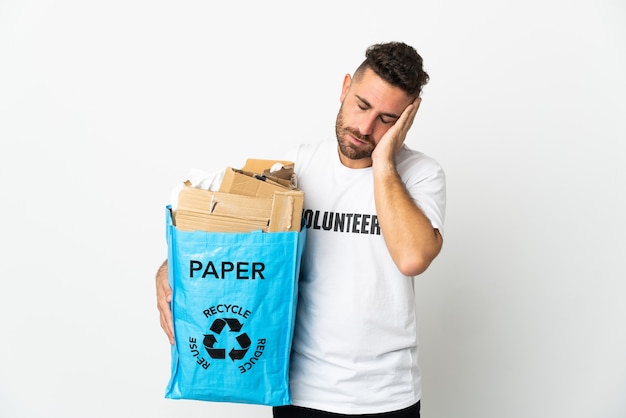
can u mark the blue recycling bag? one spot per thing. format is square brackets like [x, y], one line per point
[234, 299]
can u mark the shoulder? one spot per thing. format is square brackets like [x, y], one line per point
[411, 163]
[310, 149]
[303, 154]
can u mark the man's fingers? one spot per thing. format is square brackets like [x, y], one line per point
[167, 328]
[166, 320]
[417, 102]
[164, 297]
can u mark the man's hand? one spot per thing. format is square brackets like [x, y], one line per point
[395, 136]
[164, 297]
[411, 240]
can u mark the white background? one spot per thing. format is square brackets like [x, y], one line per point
[106, 105]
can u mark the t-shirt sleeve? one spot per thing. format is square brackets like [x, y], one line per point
[427, 187]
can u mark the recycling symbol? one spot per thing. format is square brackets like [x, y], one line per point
[210, 340]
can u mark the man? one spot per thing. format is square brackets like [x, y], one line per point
[374, 211]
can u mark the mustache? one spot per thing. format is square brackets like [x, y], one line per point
[355, 133]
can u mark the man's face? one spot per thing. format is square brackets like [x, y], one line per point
[369, 107]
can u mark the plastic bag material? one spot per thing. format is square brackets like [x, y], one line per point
[234, 299]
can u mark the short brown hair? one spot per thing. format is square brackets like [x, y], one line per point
[398, 64]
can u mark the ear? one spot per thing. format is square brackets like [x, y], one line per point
[347, 80]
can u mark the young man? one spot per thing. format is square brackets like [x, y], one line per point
[374, 213]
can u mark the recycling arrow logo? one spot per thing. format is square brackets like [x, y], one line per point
[211, 343]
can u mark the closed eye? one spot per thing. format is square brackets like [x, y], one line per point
[386, 119]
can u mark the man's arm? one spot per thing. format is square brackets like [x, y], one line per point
[164, 297]
[410, 237]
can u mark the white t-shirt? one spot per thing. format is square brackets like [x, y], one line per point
[355, 339]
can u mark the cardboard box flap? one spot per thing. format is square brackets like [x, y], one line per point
[285, 176]
[286, 211]
[197, 200]
[190, 221]
[261, 166]
[248, 183]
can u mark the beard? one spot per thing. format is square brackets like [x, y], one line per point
[346, 146]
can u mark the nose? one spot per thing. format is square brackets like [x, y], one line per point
[367, 124]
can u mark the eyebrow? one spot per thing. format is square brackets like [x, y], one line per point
[389, 115]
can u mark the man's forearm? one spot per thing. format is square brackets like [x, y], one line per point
[410, 237]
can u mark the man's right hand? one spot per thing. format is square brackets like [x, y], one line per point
[164, 298]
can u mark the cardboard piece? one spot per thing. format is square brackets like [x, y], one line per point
[247, 201]
[255, 178]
